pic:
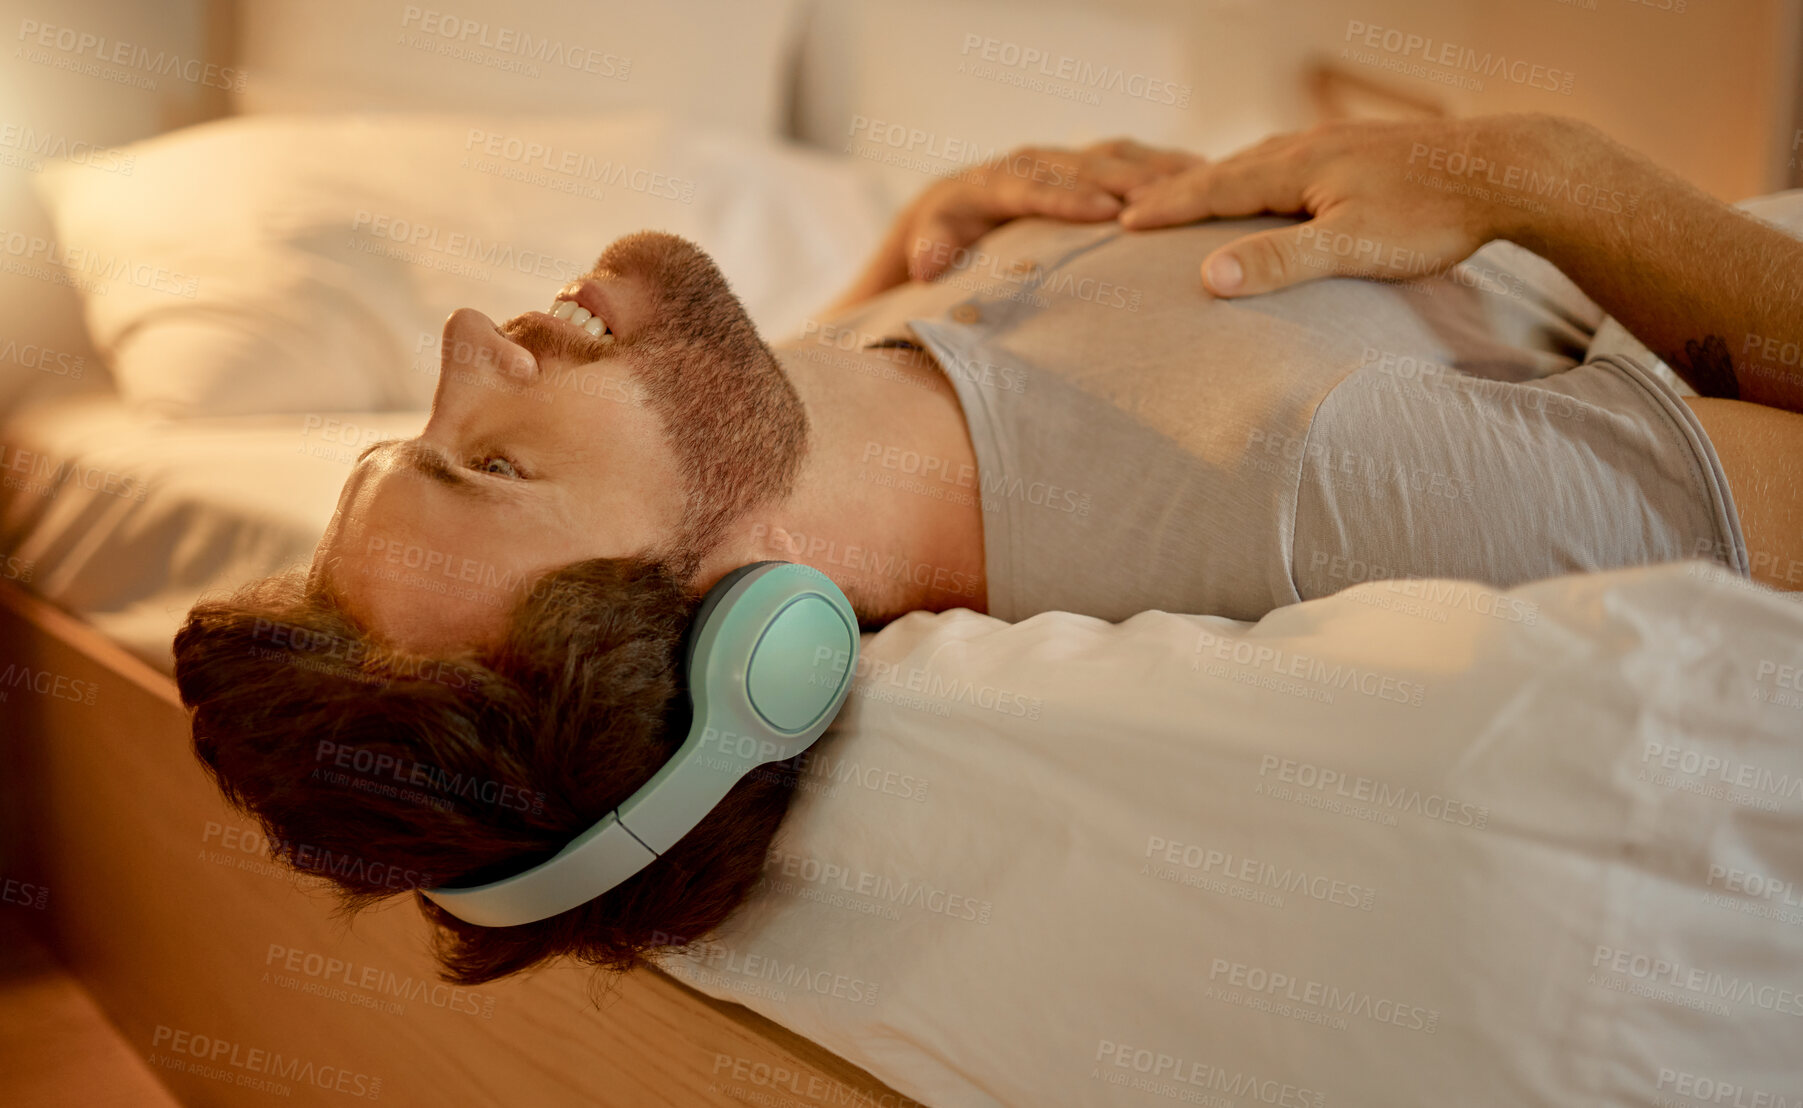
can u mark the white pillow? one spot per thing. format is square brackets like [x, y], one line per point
[307, 263]
[720, 62]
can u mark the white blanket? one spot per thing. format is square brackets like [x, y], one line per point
[1415, 843]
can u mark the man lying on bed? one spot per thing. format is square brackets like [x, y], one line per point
[481, 661]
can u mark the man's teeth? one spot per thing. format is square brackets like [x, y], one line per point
[583, 318]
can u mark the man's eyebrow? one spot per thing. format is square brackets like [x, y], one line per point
[430, 462]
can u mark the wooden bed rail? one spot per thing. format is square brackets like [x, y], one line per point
[230, 976]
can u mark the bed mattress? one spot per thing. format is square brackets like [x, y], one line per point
[127, 521]
[1542, 844]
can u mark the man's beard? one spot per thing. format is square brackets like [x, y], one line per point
[730, 414]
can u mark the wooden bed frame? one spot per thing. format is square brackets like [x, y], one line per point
[223, 971]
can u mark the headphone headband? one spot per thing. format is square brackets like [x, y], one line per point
[769, 659]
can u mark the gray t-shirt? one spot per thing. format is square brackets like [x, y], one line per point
[1143, 445]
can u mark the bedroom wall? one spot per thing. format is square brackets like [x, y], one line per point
[1707, 87]
[1702, 86]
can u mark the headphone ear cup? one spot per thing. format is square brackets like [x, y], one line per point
[709, 604]
[798, 669]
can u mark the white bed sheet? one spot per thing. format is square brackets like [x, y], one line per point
[1068, 862]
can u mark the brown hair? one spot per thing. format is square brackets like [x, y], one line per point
[385, 771]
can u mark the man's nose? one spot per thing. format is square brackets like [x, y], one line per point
[473, 353]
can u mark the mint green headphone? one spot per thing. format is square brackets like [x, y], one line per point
[769, 660]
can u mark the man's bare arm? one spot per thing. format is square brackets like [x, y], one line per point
[1713, 291]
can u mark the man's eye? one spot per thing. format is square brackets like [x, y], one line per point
[498, 464]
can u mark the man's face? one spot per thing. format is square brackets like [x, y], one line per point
[548, 445]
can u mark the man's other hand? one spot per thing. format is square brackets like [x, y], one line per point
[1082, 186]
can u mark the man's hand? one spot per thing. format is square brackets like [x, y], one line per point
[1084, 186]
[1081, 186]
[1710, 289]
[1355, 180]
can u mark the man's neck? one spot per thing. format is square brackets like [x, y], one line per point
[888, 501]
